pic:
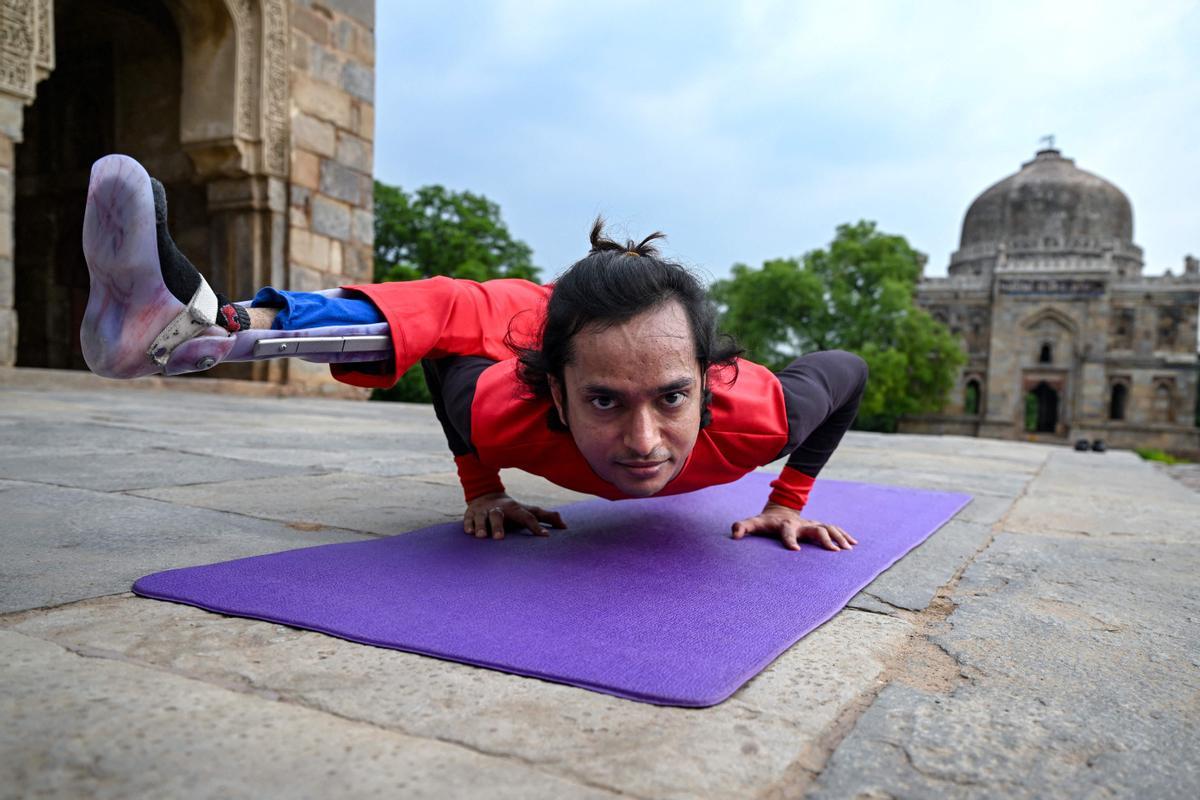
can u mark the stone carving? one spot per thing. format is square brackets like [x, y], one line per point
[44, 54]
[263, 82]
[1051, 286]
[245, 22]
[18, 43]
[275, 83]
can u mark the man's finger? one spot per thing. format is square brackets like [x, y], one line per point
[526, 518]
[468, 523]
[480, 525]
[552, 517]
[496, 519]
[839, 538]
[844, 538]
[824, 538]
[791, 532]
[745, 527]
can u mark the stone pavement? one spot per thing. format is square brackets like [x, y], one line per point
[1042, 644]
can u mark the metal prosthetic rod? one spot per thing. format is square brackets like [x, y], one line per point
[320, 345]
[337, 344]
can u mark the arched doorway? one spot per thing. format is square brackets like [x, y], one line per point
[1118, 401]
[115, 88]
[971, 398]
[1041, 409]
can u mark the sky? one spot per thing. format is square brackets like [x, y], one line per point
[750, 130]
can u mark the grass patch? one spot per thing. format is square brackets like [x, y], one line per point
[1154, 454]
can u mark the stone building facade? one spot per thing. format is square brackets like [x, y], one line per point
[257, 115]
[1066, 338]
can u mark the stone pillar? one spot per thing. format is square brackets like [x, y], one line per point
[247, 218]
[10, 134]
[26, 57]
[331, 193]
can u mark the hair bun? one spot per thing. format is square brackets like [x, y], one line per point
[601, 243]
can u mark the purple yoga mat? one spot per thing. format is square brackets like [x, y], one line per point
[645, 599]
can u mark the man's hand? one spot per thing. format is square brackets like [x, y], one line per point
[489, 513]
[792, 528]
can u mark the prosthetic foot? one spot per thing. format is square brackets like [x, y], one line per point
[150, 310]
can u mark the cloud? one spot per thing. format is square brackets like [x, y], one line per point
[751, 130]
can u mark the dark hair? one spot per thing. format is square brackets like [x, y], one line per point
[614, 283]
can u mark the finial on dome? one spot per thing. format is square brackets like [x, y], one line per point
[1048, 148]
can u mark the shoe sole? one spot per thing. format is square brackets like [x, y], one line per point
[128, 303]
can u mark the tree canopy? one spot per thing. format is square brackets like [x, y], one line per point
[435, 231]
[857, 295]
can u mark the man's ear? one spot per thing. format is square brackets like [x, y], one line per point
[556, 392]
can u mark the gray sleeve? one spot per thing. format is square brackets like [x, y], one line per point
[821, 392]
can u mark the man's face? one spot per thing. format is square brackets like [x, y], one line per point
[633, 398]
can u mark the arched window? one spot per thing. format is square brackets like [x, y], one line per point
[1047, 355]
[1116, 406]
[1163, 402]
[971, 397]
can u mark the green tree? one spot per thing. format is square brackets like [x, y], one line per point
[858, 296]
[435, 231]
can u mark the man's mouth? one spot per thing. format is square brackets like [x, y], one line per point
[643, 469]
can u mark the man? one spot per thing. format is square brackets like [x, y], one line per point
[621, 386]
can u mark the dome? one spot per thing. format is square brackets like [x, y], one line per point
[1049, 207]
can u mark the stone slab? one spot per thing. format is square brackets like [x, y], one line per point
[364, 503]
[1020, 452]
[1084, 667]
[59, 545]
[1187, 474]
[968, 460]
[977, 483]
[1111, 494]
[117, 470]
[90, 726]
[769, 729]
[53, 437]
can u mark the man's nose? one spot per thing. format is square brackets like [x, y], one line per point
[641, 433]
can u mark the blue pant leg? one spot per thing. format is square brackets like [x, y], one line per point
[299, 310]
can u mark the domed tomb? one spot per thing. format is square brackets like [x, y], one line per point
[1049, 215]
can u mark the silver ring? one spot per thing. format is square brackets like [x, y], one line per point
[495, 508]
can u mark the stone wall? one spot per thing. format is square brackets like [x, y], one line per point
[330, 217]
[1139, 332]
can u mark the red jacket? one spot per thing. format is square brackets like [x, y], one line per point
[753, 422]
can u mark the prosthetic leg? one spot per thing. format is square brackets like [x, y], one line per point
[150, 311]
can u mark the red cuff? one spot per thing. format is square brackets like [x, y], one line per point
[791, 488]
[476, 479]
[349, 373]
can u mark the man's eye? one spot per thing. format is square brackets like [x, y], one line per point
[603, 403]
[674, 399]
